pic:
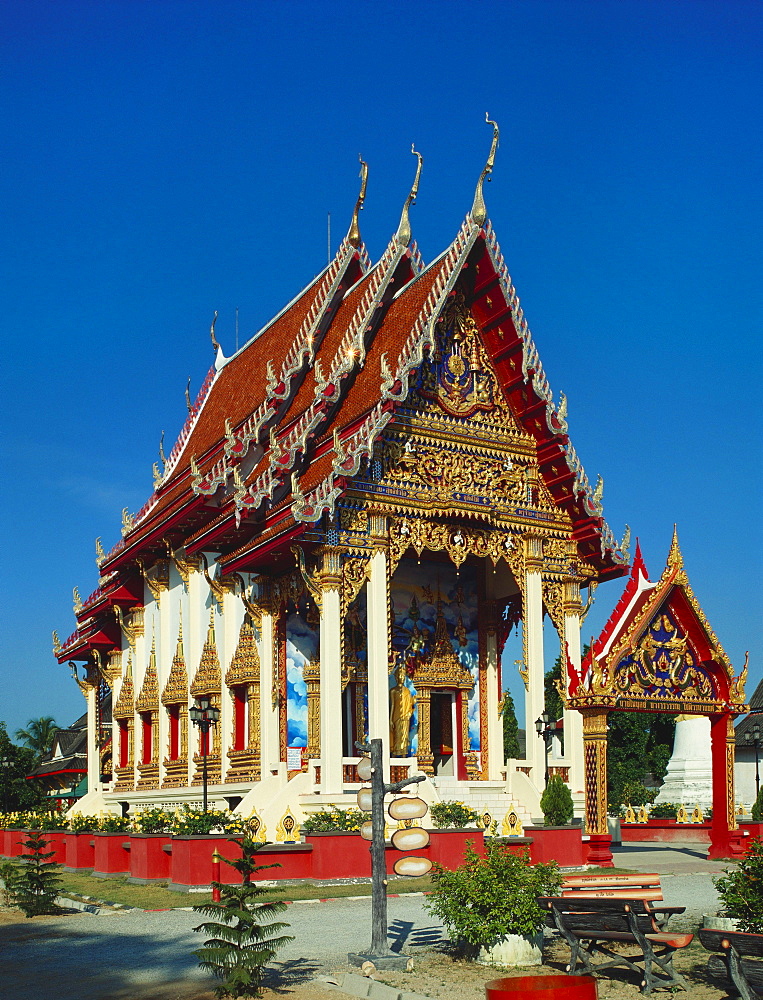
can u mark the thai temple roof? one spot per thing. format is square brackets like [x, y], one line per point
[279, 429]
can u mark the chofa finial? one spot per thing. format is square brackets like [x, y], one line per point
[479, 211]
[353, 236]
[403, 234]
[215, 345]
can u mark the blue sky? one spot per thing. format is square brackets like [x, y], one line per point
[163, 160]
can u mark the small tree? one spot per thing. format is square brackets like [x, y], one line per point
[556, 802]
[34, 885]
[757, 809]
[741, 890]
[510, 727]
[243, 941]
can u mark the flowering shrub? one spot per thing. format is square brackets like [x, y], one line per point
[54, 821]
[152, 821]
[33, 820]
[330, 820]
[110, 823]
[663, 810]
[187, 821]
[81, 823]
[452, 814]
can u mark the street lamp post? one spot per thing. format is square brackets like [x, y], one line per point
[753, 739]
[546, 728]
[5, 763]
[204, 715]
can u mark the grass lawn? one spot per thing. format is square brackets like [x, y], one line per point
[158, 897]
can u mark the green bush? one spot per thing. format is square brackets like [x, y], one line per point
[153, 820]
[664, 810]
[556, 802]
[487, 898]
[242, 929]
[452, 814]
[81, 823]
[741, 891]
[637, 794]
[187, 821]
[329, 820]
[111, 823]
[757, 809]
[34, 883]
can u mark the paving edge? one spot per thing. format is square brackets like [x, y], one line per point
[362, 986]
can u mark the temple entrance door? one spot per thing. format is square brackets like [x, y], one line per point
[443, 731]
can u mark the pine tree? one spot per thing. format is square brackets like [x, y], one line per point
[243, 941]
[34, 885]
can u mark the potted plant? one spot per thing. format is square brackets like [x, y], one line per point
[741, 891]
[489, 904]
[80, 845]
[112, 847]
[556, 803]
[150, 845]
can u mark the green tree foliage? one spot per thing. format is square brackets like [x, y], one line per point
[741, 890]
[510, 727]
[34, 884]
[16, 793]
[486, 898]
[757, 809]
[638, 744]
[556, 802]
[245, 933]
[38, 735]
[552, 698]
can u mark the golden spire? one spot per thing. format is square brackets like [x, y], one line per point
[479, 211]
[674, 556]
[403, 234]
[353, 236]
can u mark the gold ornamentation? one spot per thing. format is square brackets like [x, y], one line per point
[148, 699]
[479, 211]
[77, 600]
[100, 555]
[353, 236]
[56, 644]
[125, 705]
[287, 830]
[312, 678]
[128, 522]
[208, 679]
[176, 689]
[403, 234]
[245, 666]
[736, 692]
[512, 825]
[157, 577]
[524, 673]
[130, 623]
[402, 703]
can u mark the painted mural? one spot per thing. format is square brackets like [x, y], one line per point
[301, 647]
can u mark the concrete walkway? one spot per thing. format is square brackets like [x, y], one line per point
[668, 859]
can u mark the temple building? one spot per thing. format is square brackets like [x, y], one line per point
[364, 499]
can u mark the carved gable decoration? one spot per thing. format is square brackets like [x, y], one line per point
[176, 689]
[245, 665]
[442, 667]
[658, 652]
[208, 677]
[457, 376]
[148, 699]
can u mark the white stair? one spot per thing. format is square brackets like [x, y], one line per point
[482, 797]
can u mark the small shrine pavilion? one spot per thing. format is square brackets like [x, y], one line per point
[362, 501]
[658, 653]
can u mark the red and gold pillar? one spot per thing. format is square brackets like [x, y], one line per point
[595, 765]
[725, 838]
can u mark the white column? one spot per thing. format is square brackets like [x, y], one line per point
[533, 642]
[231, 623]
[93, 749]
[196, 633]
[270, 751]
[164, 652]
[377, 603]
[573, 720]
[331, 676]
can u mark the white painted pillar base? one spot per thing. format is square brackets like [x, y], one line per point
[93, 751]
[491, 741]
[534, 696]
[331, 692]
[270, 751]
[573, 720]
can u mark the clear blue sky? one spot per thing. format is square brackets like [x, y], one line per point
[162, 160]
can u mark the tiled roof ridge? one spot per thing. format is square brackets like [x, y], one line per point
[350, 352]
[278, 387]
[350, 452]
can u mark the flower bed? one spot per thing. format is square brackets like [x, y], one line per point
[112, 855]
[80, 851]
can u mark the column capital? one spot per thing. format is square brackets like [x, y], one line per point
[571, 595]
[533, 552]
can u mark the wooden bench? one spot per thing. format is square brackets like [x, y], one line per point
[646, 887]
[594, 925]
[738, 951]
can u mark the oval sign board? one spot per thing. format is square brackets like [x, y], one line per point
[405, 808]
[412, 838]
[363, 768]
[364, 800]
[367, 830]
[412, 866]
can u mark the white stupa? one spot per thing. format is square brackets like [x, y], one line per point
[689, 778]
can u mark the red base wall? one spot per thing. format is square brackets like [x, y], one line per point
[563, 844]
[112, 854]
[80, 851]
[149, 862]
[665, 831]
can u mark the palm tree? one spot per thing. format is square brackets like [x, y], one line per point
[38, 735]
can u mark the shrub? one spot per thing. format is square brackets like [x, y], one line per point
[741, 891]
[111, 823]
[328, 820]
[151, 821]
[243, 941]
[635, 793]
[556, 802]
[187, 821]
[81, 823]
[757, 809]
[663, 810]
[487, 898]
[452, 814]
[34, 883]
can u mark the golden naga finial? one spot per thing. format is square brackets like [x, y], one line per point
[188, 395]
[100, 555]
[675, 558]
[353, 235]
[77, 601]
[215, 345]
[56, 643]
[403, 234]
[479, 211]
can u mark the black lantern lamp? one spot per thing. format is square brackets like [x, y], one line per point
[204, 715]
[753, 739]
[546, 728]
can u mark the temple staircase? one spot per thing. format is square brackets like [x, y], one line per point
[484, 797]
